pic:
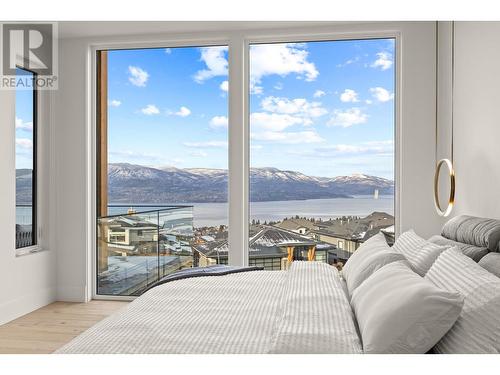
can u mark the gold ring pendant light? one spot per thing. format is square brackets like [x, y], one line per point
[445, 163]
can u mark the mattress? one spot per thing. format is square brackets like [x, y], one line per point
[302, 310]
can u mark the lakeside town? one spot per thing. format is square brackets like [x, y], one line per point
[135, 250]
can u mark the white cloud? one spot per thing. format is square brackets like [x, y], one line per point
[288, 137]
[347, 118]
[281, 59]
[348, 62]
[256, 89]
[199, 154]
[278, 86]
[381, 94]
[319, 93]
[368, 101]
[24, 143]
[374, 147]
[150, 110]
[21, 125]
[207, 144]
[114, 103]
[138, 77]
[134, 155]
[224, 86]
[219, 122]
[349, 96]
[130, 156]
[299, 106]
[282, 113]
[168, 51]
[274, 121]
[216, 62]
[183, 112]
[383, 61]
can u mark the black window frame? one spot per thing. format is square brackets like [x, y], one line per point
[34, 176]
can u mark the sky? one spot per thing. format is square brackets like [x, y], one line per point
[24, 127]
[320, 108]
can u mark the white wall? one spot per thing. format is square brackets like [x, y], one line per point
[477, 118]
[476, 115]
[417, 96]
[28, 282]
[71, 188]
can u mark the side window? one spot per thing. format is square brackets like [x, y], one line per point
[26, 176]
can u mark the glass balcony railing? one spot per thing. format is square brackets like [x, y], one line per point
[136, 249]
[24, 226]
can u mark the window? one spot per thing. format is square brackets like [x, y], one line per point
[321, 144]
[26, 175]
[320, 162]
[162, 163]
[269, 264]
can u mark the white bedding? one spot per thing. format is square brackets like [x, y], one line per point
[302, 310]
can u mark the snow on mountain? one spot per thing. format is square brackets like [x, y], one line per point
[136, 183]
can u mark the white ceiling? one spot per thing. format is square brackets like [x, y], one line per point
[78, 29]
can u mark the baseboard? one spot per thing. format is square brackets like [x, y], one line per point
[20, 306]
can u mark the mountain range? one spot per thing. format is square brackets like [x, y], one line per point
[139, 184]
[130, 183]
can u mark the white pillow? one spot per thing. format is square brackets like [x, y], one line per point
[421, 254]
[372, 245]
[477, 329]
[400, 312]
[367, 266]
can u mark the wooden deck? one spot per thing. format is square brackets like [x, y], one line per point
[49, 328]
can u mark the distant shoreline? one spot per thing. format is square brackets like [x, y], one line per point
[214, 214]
[157, 204]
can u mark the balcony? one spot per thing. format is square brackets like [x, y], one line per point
[24, 225]
[137, 248]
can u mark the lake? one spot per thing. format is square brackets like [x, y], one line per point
[212, 214]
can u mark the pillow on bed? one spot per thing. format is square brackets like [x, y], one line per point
[473, 252]
[473, 230]
[365, 267]
[491, 263]
[420, 253]
[400, 312]
[477, 329]
[374, 244]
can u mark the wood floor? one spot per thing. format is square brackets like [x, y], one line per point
[49, 328]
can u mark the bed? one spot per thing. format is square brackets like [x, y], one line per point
[303, 310]
[306, 309]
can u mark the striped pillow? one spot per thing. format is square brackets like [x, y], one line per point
[421, 254]
[473, 230]
[374, 244]
[474, 252]
[477, 329]
[491, 263]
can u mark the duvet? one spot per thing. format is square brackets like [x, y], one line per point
[302, 310]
